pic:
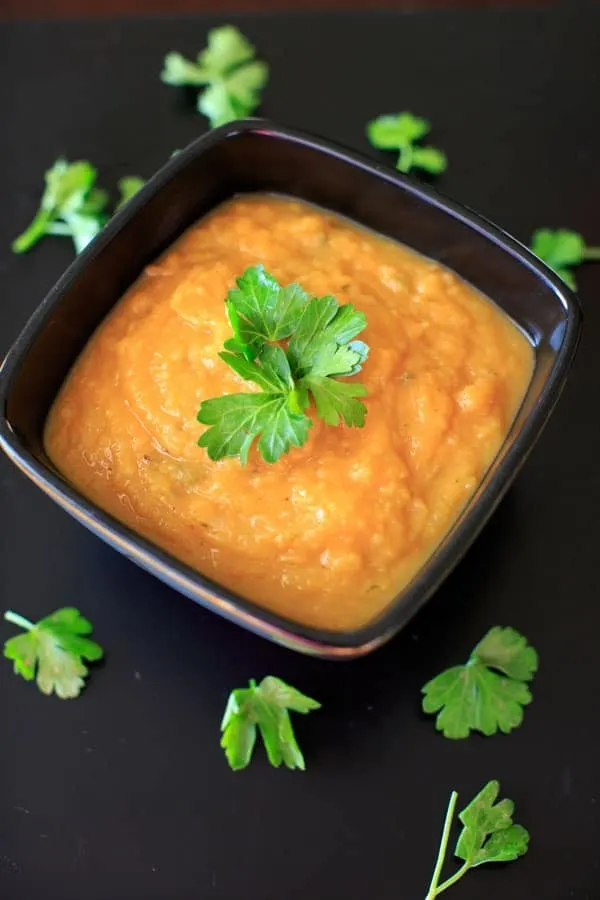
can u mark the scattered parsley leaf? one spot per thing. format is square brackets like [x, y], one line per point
[180, 71]
[95, 203]
[128, 186]
[473, 697]
[320, 349]
[264, 707]
[232, 77]
[400, 132]
[488, 835]
[70, 206]
[52, 651]
[561, 250]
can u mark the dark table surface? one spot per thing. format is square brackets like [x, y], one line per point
[124, 793]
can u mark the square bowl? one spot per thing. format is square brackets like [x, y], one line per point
[257, 156]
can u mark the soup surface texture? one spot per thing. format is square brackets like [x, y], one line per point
[328, 534]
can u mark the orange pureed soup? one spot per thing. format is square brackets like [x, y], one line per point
[332, 531]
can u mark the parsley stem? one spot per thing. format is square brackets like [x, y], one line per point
[16, 619]
[405, 159]
[453, 878]
[591, 253]
[433, 887]
[60, 228]
[34, 232]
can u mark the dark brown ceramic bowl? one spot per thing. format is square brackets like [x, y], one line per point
[255, 155]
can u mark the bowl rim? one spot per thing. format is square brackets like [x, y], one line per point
[203, 589]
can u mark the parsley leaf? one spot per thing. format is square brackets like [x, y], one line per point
[128, 186]
[488, 835]
[320, 339]
[473, 697]
[264, 707]
[401, 132]
[273, 416]
[52, 651]
[70, 206]
[334, 400]
[232, 77]
[261, 310]
[320, 349]
[561, 250]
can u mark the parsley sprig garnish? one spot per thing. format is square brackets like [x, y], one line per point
[488, 836]
[294, 347]
[561, 250]
[72, 206]
[264, 707]
[475, 697]
[52, 651]
[232, 77]
[401, 132]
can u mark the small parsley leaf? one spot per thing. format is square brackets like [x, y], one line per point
[400, 132]
[237, 419]
[473, 697]
[488, 835]
[264, 707]
[52, 651]
[128, 186]
[335, 400]
[232, 77]
[320, 343]
[261, 310]
[263, 315]
[271, 371]
[70, 206]
[226, 49]
[430, 159]
[562, 249]
[508, 651]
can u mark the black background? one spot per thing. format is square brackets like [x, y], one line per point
[125, 793]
